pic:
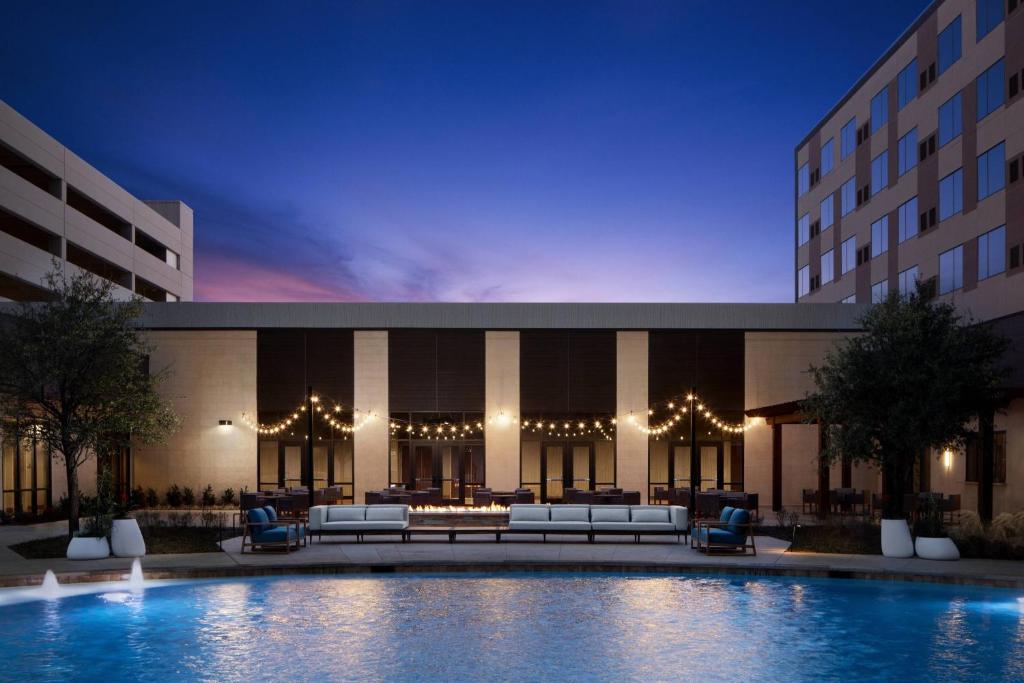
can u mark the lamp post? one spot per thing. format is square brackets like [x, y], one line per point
[309, 443]
[694, 459]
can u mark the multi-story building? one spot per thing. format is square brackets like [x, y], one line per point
[53, 206]
[915, 174]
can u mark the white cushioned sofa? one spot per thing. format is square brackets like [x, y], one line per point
[596, 520]
[359, 520]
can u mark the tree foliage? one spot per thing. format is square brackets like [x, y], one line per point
[913, 381]
[74, 370]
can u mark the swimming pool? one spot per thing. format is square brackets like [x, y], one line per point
[504, 627]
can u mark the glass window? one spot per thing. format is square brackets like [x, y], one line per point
[992, 253]
[848, 198]
[880, 172]
[803, 180]
[990, 90]
[880, 236]
[951, 270]
[879, 291]
[950, 45]
[848, 138]
[989, 15]
[803, 281]
[828, 261]
[906, 84]
[880, 109]
[907, 150]
[908, 281]
[951, 194]
[849, 255]
[951, 119]
[803, 229]
[828, 157]
[828, 212]
[908, 220]
[992, 171]
[852, 299]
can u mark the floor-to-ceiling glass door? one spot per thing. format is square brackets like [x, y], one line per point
[556, 466]
[456, 468]
[281, 464]
[25, 476]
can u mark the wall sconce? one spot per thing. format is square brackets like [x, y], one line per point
[947, 459]
[225, 423]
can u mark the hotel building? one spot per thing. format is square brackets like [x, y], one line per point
[53, 205]
[915, 174]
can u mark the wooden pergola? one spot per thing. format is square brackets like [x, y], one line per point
[789, 413]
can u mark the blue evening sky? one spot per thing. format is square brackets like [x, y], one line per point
[455, 151]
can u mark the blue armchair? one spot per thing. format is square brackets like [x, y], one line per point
[264, 530]
[734, 530]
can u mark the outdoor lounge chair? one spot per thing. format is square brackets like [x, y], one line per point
[732, 531]
[265, 531]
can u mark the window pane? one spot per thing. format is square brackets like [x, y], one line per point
[950, 45]
[880, 236]
[827, 212]
[827, 266]
[848, 198]
[989, 15]
[991, 171]
[951, 270]
[907, 84]
[828, 156]
[907, 148]
[990, 90]
[849, 255]
[848, 138]
[951, 194]
[880, 109]
[803, 229]
[908, 220]
[880, 172]
[804, 281]
[951, 119]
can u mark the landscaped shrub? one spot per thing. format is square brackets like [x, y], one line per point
[188, 497]
[209, 498]
[137, 499]
[174, 496]
[152, 499]
[228, 497]
[1002, 539]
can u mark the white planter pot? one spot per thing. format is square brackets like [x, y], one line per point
[126, 539]
[896, 540]
[84, 548]
[936, 548]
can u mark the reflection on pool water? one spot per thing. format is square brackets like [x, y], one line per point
[520, 627]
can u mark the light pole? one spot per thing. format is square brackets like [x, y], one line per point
[309, 443]
[694, 455]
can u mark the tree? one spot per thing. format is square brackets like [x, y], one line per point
[74, 368]
[914, 380]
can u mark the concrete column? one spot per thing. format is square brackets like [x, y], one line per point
[501, 434]
[631, 463]
[370, 392]
[212, 378]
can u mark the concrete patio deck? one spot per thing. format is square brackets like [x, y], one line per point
[481, 553]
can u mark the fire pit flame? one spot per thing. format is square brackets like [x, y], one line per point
[460, 509]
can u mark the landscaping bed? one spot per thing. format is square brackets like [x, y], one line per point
[853, 539]
[159, 541]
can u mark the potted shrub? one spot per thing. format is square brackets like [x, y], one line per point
[90, 543]
[932, 542]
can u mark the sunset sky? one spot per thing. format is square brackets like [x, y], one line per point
[444, 151]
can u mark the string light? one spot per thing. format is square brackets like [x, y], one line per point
[571, 427]
[677, 414]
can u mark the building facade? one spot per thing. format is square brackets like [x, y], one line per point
[53, 205]
[915, 174]
[543, 396]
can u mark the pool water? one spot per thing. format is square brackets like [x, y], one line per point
[514, 627]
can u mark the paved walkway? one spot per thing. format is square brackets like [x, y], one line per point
[481, 552]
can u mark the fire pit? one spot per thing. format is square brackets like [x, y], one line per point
[458, 515]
